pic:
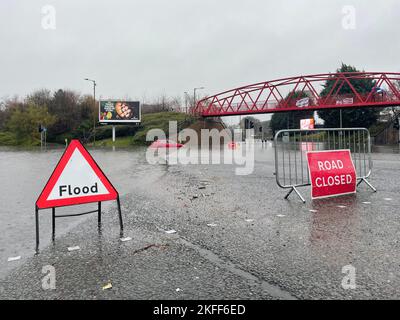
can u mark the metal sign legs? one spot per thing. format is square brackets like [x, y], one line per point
[54, 216]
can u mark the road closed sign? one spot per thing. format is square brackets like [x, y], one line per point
[332, 173]
[77, 179]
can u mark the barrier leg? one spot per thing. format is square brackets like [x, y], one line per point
[368, 184]
[297, 192]
[121, 224]
[37, 229]
[289, 193]
[53, 223]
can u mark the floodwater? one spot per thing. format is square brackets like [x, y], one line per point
[24, 173]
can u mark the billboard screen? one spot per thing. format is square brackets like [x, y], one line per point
[119, 111]
[307, 124]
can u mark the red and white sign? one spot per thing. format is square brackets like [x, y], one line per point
[332, 173]
[77, 179]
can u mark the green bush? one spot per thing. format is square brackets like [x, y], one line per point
[160, 121]
[7, 139]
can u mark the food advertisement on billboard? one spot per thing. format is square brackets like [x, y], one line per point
[307, 124]
[111, 111]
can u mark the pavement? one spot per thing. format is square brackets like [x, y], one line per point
[236, 238]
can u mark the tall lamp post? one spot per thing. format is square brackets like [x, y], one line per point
[194, 101]
[186, 101]
[194, 95]
[94, 117]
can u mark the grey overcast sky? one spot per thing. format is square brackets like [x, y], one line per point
[144, 48]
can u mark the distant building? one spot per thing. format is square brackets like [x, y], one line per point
[386, 115]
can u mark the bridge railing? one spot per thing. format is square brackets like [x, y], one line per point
[302, 92]
[291, 147]
[275, 105]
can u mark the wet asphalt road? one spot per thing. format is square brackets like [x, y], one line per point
[236, 239]
[24, 173]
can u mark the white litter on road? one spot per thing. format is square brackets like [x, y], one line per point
[281, 216]
[312, 210]
[170, 231]
[342, 207]
[388, 199]
[74, 248]
[178, 290]
[11, 259]
[107, 286]
[212, 225]
[367, 202]
[126, 239]
[249, 220]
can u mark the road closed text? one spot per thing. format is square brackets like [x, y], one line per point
[332, 173]
[332, 180]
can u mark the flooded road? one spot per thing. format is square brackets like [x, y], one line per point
[235, 236]
[23, 175]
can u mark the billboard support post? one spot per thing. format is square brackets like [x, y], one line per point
[113, 133]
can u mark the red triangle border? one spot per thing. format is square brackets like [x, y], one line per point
[43, 203]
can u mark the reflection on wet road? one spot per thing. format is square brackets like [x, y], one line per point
[236, 237]
[23, 175]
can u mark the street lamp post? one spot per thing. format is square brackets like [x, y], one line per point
[186, 101]
[194, 95]
[194, 101]
[94, 117]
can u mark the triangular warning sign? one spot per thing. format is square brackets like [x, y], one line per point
[77, 179]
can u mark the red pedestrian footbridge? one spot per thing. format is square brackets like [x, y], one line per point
[346, 90]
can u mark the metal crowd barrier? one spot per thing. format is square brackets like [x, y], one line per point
[291, 146]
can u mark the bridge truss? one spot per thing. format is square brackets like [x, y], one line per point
[304, 93]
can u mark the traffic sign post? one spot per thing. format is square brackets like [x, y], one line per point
[332, 173]
[77, 179]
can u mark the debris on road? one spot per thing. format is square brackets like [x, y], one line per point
[178, 290]
[281, 216]
[126, 239]
[314, 211]
[388, 199]
[11, 259]
[212, 224]
[74, 248]
[170, 231]
[249, 220]
[107, 286]
[366, 202]
[342, 207]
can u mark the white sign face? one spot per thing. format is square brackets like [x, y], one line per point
[303, 102]
[345, 101]
[77, 180]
